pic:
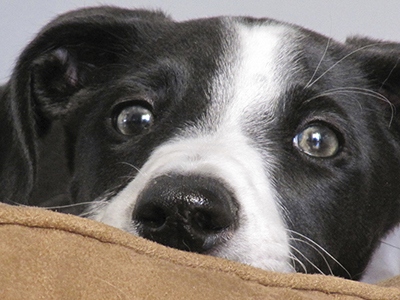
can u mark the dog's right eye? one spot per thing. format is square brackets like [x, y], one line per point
[132, 119]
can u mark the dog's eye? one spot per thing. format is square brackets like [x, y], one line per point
[130, 120]
[317, 141]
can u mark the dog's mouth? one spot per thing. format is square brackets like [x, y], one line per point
[187, 212]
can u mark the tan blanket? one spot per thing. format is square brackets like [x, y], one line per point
[47, 255]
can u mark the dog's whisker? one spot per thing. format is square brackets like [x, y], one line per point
[99, 203]
[390, 245]
[93, 208]
[68, 205]
[127, 177]
[361, 91]
[350, 89]
[131, 165]
[390, 73]
[309, 261]
[319, 64]
[131, 177]
[284, 212]
[186, 245]
[341, 60]
[317, 250]
[295, 259]
[321, 248]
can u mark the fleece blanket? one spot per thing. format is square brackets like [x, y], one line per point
[49, 255]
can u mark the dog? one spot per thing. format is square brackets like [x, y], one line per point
[248, 139]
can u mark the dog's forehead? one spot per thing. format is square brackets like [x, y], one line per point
[261, 60]
[255, 63]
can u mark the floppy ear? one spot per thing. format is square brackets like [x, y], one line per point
[73, 52]
[381, 62]
[76, 51]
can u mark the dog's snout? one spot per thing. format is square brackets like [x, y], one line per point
[192, 213]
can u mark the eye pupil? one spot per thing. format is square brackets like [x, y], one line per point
[317, 141]
[133, 119]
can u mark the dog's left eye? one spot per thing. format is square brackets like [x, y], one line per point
[132, 119]
[317, 141]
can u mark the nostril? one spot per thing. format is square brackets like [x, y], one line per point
[152, 217]
[203, 221]
[210, 222]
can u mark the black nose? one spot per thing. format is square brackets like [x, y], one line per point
[192, 213]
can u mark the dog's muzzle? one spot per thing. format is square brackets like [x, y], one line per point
[188, 212]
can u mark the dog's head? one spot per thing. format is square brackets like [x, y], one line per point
[252, 140]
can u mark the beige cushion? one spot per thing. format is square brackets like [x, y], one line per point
[47, 255]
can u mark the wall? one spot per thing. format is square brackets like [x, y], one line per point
[21, 19]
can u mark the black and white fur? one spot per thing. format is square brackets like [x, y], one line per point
[219, 163]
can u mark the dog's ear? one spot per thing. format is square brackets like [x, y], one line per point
[78, 50]
[381, 62]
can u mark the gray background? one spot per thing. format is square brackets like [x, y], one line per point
[21, 19]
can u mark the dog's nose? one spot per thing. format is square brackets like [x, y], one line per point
[187, 212]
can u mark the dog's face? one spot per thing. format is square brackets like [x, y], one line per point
[252, 140]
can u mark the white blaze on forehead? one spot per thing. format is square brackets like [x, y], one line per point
[249, 80]
[251, 75]
[256, 76]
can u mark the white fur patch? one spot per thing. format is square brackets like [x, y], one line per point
[385, 262]
[248, 82]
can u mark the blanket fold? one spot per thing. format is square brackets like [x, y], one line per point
[48, 255]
